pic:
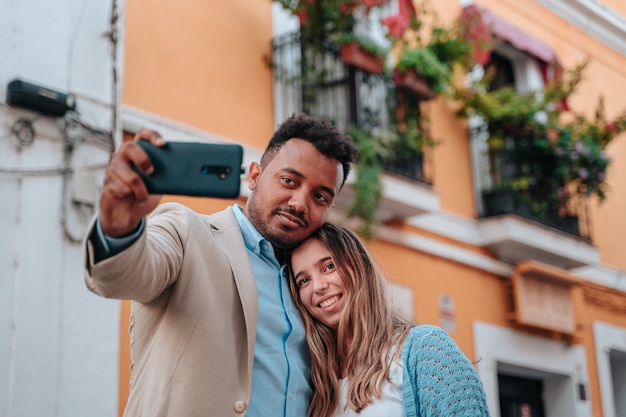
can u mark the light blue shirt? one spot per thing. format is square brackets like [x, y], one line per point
[281, 375]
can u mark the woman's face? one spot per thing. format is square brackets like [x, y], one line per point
[320, 288]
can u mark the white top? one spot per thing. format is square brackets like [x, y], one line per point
[390, 405]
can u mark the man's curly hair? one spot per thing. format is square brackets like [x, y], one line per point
[321, 133]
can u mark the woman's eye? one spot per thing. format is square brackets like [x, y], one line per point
[302, 281]
[329, 267]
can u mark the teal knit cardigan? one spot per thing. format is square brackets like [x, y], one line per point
[438, 379]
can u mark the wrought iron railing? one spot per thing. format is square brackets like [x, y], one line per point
[519, 159]
[319, 83]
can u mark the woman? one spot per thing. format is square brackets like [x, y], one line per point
[366, 360]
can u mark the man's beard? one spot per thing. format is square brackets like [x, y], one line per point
[279, 238]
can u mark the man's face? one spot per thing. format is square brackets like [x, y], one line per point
[293, 193]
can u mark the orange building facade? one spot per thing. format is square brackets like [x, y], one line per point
[542, 311]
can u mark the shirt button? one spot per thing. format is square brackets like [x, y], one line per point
[240, 406]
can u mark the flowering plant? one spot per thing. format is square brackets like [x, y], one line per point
[324, 21]
[419, 43]
[431, 49]
[551, 153]
[580, 150]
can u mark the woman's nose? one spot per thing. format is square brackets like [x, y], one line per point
[320, 285]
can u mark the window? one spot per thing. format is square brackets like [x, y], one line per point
[520, 397]
[519, 61]
[333, 90]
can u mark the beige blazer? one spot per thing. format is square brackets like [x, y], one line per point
[194, 313]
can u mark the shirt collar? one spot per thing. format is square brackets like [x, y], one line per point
[254, 241]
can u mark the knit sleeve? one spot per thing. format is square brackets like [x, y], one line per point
[438, 378]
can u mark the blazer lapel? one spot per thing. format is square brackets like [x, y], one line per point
[228, 233]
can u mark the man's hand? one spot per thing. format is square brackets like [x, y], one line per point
[125, 199]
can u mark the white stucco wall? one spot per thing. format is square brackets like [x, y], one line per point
[611, 340]
[561, 368]
[58, 343]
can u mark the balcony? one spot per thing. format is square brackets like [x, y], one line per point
[507, 201]
[513, 238]
[322, 84]
[526, 216]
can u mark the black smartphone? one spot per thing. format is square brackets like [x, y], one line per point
[194, 169]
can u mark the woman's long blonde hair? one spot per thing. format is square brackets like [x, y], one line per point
[368, 328]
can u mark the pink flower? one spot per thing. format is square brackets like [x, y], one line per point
[396, 25]
[477, 31]
[302, 17]
[552, 135]
[373, 3]
[347, 8]
[399, 23]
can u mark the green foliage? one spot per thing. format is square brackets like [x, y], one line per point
[368, 185]
[400, 142]
[326, 21]
[553, 154]
[449, 45]
[326, 25]
[432, 50]
[580, 149]
[366, 43]
[425, 63]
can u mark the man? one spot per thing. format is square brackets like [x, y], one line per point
[214, 331]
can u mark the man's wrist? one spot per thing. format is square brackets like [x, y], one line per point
[114, 245]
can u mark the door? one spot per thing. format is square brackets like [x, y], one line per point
[520, 397]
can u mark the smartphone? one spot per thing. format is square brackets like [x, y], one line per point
[194, 169]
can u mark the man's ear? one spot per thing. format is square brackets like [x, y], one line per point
[254, 172]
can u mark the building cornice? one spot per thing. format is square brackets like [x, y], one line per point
[594, 18]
